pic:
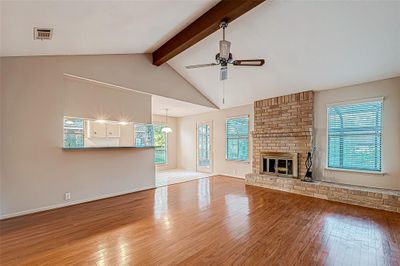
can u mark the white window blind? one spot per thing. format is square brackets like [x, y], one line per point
[237, 139]
[355, 136]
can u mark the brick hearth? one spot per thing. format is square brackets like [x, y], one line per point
[363, 196]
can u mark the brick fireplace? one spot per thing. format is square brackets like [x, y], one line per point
[281, 141]
[282, 125]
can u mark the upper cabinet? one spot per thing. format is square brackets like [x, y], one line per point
[113, 130]
[96, 130]
[103, 130]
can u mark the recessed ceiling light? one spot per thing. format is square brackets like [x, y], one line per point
[100, 121]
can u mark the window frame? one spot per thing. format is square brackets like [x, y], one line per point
[248, 138]
[134, 134]
[166, 145]
[381, 172]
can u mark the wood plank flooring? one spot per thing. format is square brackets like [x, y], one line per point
[210, 221]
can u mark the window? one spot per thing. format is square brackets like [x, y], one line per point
[73, 132]
[355, 136]
[204, 144]
[237, 138]
[160, 141]
[144, 135]
[151, 135]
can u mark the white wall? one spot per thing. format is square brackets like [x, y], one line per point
[171, 142]
[390, 89]
[36, 172]
[187, 141]
[132, 71]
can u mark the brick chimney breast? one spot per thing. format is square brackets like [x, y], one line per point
[283, 124]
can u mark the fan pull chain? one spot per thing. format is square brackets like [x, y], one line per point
[223, 92]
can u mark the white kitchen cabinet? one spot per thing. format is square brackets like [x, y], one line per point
[113, 130]
[96, 130]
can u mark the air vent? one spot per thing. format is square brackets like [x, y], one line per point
[42, 33]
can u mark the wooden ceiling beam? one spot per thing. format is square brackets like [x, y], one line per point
[208, 23]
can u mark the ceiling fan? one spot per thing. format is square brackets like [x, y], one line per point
[224, 57]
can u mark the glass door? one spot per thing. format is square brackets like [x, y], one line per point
[204, 147]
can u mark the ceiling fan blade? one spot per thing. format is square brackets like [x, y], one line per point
[249, 62]
[223, 74]
[201, 65]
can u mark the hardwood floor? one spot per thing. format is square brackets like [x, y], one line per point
[211, 221]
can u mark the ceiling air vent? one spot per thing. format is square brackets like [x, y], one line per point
[42, 33]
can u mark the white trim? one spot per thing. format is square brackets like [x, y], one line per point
[248, 138]
[210, 168]
[70, 203]
[229, 175]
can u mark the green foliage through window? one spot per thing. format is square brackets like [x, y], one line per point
[144, 135]
[152, 135]
[160, 141]
[73, 132]
[237, 139]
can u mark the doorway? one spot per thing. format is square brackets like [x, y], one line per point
[204, 147]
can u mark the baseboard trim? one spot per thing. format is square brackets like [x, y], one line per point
[70, 203]
[233, 176]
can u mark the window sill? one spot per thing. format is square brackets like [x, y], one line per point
[355, 171]
[238, 161]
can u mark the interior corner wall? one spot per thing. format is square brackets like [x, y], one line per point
[36, 172]
[390, 90]
[186, 130]
[1, 135]
[171, 142]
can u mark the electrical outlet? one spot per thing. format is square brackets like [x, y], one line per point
[234, 171]
[67, 196]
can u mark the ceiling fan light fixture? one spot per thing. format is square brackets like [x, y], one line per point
[224, 57]
[166, 130]
[224, 49]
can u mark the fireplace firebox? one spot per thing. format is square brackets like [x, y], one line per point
[279, 164]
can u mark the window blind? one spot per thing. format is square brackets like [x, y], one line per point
[355, 136]
[237, 139]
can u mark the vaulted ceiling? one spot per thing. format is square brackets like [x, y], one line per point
[94, 27]
[307, 44]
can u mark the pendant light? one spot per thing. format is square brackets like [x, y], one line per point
[166, 129]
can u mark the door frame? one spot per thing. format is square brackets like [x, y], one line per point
[211, 153]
